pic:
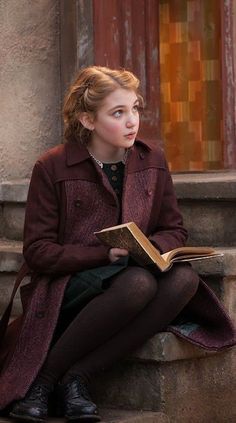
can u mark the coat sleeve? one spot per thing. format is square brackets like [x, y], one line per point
[42, 251]
[170, 232]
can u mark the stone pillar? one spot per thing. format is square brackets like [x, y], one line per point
[234, 49]
[29, 84]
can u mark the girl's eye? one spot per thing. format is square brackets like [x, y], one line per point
[117, 113]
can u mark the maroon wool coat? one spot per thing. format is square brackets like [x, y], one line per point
[70, 198]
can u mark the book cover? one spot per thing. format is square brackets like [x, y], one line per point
[130, 237]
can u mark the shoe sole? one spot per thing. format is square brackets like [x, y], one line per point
[27, 418]
[86, 418]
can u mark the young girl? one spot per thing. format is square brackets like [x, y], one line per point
[88, 306]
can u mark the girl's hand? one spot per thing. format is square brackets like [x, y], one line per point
[115, 253]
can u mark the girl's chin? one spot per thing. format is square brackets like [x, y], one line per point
[129, 141]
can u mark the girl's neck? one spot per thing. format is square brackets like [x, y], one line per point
[112, 155]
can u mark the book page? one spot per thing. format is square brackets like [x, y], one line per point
[178, 252]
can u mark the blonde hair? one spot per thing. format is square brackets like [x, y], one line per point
[87, 93]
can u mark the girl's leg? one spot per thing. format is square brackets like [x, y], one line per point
[132, 310]
[175, 289]
[130, 291]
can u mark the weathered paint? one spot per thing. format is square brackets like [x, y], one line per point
[126, 35]
[228, 74]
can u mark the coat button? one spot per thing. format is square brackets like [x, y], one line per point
[40, 314]
[77, 203]
[149, 192]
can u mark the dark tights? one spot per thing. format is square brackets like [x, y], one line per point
[136, 306]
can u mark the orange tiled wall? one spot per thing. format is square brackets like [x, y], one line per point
[191, 98]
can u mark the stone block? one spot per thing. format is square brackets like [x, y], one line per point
[6, 285]
[229, 296]
[129, 385]
[1, 220]
[208, 186]
[119, 416]
[199, 390]
[10, 255]
[207, 201]
[224, 265]
[14, 191]
[13, 220]
[210, 223]
[165, 346]
[127, 416]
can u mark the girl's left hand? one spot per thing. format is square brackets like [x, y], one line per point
[115, 253]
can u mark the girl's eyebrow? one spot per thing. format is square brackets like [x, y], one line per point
[120, 106]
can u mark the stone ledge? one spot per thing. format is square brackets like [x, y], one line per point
[10, 255]
[11, 258]
[15, 191]
[128, 416]
[218, 266]
[193, 186]
[165, 347]
[119, 416]
[205, 186]
[195, 390]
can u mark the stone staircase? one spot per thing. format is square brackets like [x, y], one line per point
[167, 380]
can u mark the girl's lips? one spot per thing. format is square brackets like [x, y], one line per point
[130, 135]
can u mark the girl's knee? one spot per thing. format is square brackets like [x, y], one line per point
[186, 277]
[146, 283]
[139, 286]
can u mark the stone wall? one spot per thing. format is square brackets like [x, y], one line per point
[30, 93]
[29, 83]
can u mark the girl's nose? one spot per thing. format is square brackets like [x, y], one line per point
[131, 121]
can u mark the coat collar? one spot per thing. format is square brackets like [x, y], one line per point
[77, 152]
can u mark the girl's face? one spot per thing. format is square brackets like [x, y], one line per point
[117, 122]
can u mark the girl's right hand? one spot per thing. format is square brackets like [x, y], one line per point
[115, 253]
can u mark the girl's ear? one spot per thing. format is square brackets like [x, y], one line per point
[86, 119]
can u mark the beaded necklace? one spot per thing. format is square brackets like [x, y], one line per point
[100, 164]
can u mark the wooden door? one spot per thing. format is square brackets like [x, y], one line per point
[132, 34]
[126, 35]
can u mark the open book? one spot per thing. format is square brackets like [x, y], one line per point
[130, 237]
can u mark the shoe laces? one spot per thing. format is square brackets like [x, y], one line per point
[80, 389]
[38, 391]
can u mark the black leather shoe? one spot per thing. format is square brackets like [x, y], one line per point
[77, 402]
[34, 407]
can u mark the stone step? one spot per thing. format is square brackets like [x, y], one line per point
[119, 416]
[10, 262]
[219, 272]
[224, 265]
[127, 416]
[13, 196]
[196, 390]
[207, 201]
[10, 255]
